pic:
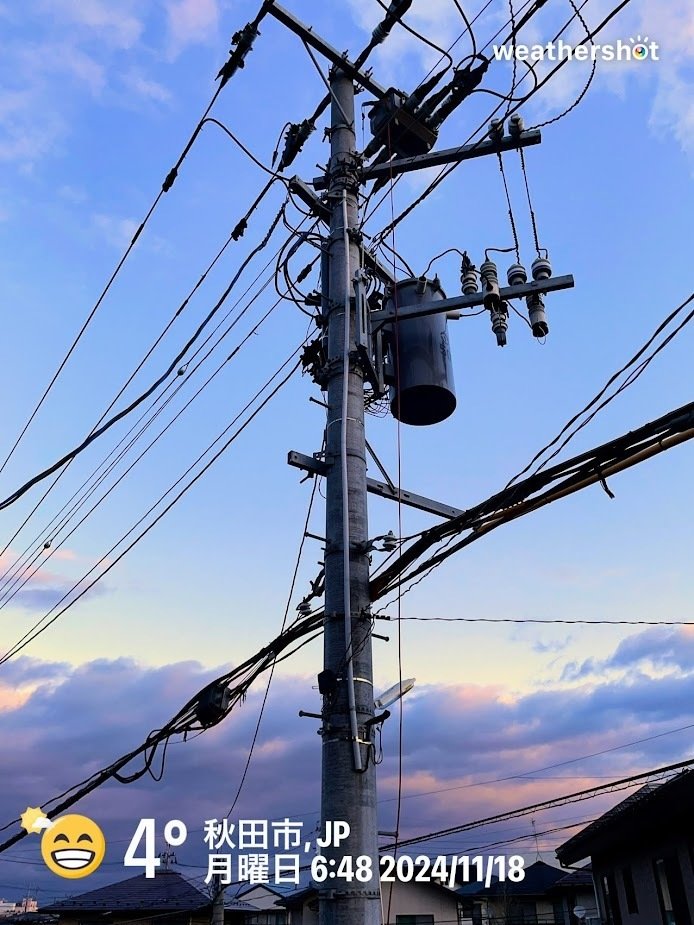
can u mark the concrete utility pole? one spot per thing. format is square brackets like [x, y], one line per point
[348, 777]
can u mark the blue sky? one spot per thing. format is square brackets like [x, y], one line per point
[96, 101]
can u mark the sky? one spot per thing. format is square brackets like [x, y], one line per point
[97, 100]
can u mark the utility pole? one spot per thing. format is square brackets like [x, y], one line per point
[348, 789]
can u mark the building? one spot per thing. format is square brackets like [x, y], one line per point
[165, 899]
[642, 854]
[530, 901]
[575, 890]
[411, 904]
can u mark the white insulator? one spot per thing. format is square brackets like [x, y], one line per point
[516, 275]
[470, 281]
[496, 129]
[515, 125]
[541, 268]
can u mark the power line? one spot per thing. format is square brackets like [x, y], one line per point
[272, 667]
[445, 171]
[179, 383]
[575, 797]
[232, 65]
[37, 629]
[549, 621]
[95, 434]
[179, 311]
[639, 370]
[589, 468]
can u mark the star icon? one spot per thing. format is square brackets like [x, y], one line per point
[31, 819]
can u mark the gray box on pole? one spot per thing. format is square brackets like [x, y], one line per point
[423, 391]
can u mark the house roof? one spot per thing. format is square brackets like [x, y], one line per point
[651, 812]
[539, 877]
[574, 879]
[167, 891]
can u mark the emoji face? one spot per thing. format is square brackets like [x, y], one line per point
[73, 846]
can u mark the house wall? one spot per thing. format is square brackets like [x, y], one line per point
[640, 861]
[408, 899]
[419, 899]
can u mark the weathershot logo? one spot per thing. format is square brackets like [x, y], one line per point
[638, 49]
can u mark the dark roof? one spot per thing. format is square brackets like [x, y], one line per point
[539, 877]
[655, 810]
[167, 891]
[575, 878]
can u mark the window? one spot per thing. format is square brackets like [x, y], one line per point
[414, 920]
[630, 891]
[671, 893]
[609, 892]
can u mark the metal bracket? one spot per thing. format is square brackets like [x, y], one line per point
[326, 49]
[553, 284]
[317, 467]
[447, 156]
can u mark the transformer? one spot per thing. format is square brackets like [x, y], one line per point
[422, 390]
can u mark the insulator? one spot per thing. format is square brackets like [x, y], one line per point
[515, 125]
[541, 268]
[469, 277]
[304, 608]
[537, 314]
[490, 285]
[390, 542]
[496, 129]
[516, 275]
[499, 318]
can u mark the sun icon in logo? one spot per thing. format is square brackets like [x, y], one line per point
[640, 49]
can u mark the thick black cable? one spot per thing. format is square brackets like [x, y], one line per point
[445, 172]
[166, 186]
[575, 797]
[55, 547]
[586, 88]
[56, 528]
[11, 499]
[35, 631]
[142, 362]
[596, 398]
[423, 38]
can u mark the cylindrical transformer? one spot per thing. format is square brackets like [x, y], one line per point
[423, 391]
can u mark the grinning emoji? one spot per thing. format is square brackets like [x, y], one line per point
[73, 846]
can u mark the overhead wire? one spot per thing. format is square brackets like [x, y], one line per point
[45, 473]
[446, 170]
[613, 378]
[6, 596]
[179, 311]
[575, 797]
[235, 61]
[266, 694]
[56, 611]
[536, 491]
